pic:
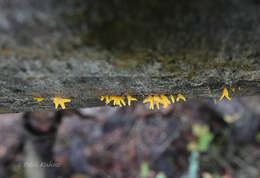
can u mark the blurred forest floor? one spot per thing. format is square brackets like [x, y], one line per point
[188, 140]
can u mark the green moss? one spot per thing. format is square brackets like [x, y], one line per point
[31, 78]
[4, 109]
[247, 67]
[130, 60]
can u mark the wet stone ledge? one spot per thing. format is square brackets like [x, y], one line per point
[88, 49]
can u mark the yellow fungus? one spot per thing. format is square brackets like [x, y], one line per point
[233, 89]
[60, 101]
[165, 101]
[172, 98]
[157, 100]
[150, 100]
[239, 88]
[129, 99]
[39, 99]
[107, 98]
[180, 97]
[118, 100]
[224, 94]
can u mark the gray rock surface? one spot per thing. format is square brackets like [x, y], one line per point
[85, 49]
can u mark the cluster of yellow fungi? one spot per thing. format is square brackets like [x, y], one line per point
[118, 100]
[156, 100]
[58, 101]
[225, 94]
[153, 100]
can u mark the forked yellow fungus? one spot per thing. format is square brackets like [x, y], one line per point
[165, 101]
[130, 99]
[107, 98]
[224, 94]
[239, 88]
[157, 100]
[233, 89]
[180, 97]
[60, 101]
[150, 100]
[172, 98]
[39, 99]
[118, 100]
